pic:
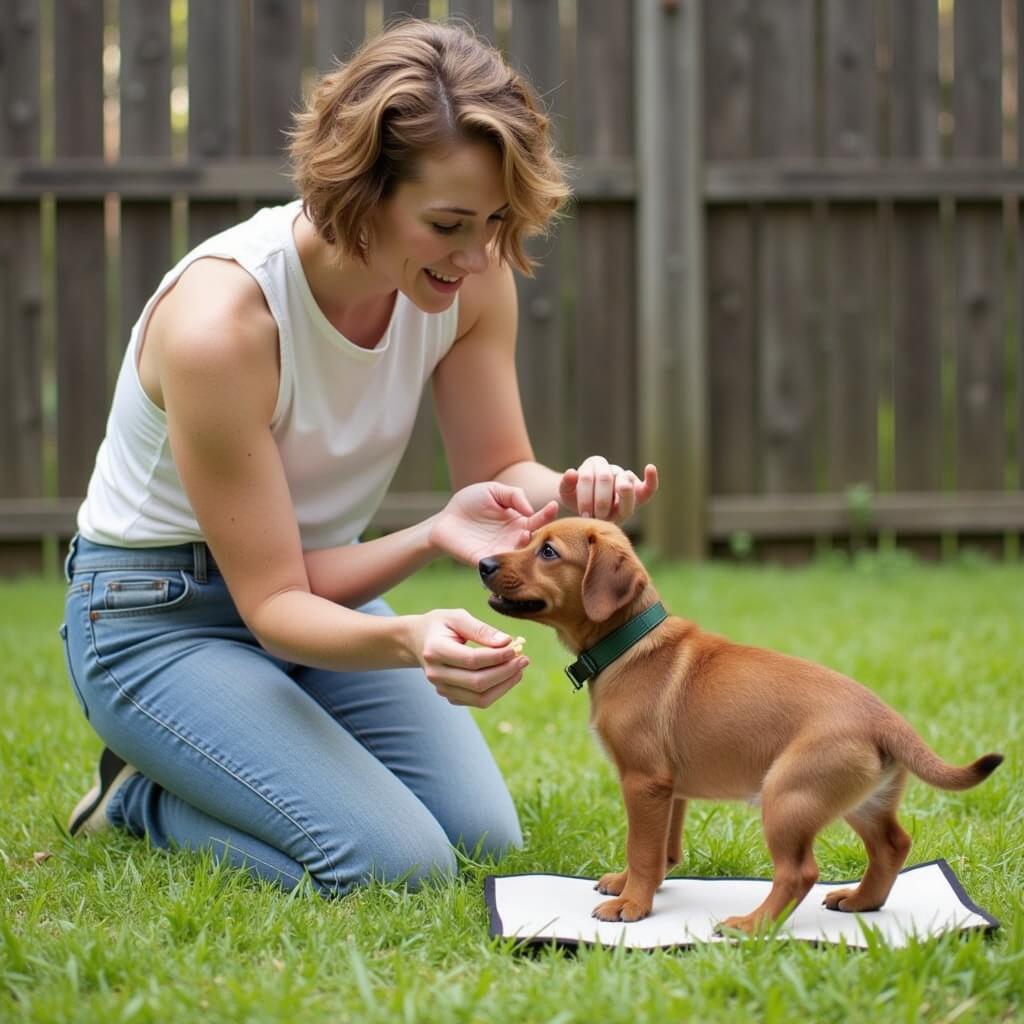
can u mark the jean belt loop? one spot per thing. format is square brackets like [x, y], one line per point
[199, 561]
[69, 560]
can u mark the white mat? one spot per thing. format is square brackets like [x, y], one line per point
[926, 900]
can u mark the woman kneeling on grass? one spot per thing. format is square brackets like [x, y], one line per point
[224, 634]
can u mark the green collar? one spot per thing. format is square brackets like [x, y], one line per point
[614, 645]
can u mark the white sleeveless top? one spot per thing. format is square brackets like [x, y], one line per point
[342, 419]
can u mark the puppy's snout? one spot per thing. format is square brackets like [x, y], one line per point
[488, 567]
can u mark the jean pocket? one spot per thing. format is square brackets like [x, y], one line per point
[69, 666]
[120, 593]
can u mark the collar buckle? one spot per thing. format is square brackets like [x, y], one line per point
[580, 671]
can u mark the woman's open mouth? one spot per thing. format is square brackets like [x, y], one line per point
[442, 282]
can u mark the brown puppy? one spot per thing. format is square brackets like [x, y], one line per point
[685, 714]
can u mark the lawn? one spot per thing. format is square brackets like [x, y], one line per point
[107, 929]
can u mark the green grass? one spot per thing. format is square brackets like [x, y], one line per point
[108, 929]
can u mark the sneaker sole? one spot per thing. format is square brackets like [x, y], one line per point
[90, 813]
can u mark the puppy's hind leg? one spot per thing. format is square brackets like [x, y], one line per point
[811, 783]
[887, 845]
[675, 833]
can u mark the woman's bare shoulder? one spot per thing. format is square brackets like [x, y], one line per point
[215, 319]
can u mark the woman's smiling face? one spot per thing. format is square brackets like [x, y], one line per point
[434, 231]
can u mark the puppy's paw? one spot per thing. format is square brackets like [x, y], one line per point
[834, 900]
[847, 901]
[748, 923]
[621, 910]
[612, 884]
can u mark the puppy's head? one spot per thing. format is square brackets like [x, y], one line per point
[574, 575]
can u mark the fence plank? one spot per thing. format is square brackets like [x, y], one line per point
[340, 28]
[732, 359]
[391, 9]
[21, 393]
[274, 74]
[853, 251]
[82, 377]
[215, 112]
[1020, 259]
[480, 14]
[788, 282]
[916, 247]
[605, 348]
[145, 131]
[534, 49]
[672, 403]
[980, 374]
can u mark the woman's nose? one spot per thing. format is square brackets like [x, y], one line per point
[473, 261]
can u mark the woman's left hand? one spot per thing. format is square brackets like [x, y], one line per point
[602, 490]
[483, 519]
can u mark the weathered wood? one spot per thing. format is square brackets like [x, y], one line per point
[274, 74]
[729, 84]
[853, 252]
[1019, 279]
[729, 47]
[763, 516]
[21, 392]
[82, 379]
[915, 249]
[671, 294]
[212, 176]
[540, 354]
[19, 78]
[916, 279]
[909, 514]
[145, 131]
[789, 282]
[785, 180]
[852, 319]
[479, 13]
[340, 29]
[851, 80]
[215, 115]
[980, 373]
[605, 384]
[611, 179]
[394, 9]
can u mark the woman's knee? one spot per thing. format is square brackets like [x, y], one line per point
[490, 834]
[411, 854]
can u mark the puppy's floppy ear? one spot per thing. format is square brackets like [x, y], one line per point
[613, 578]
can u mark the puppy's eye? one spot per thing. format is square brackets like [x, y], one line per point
[547, 552]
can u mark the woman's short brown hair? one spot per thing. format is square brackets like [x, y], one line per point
[417, 86]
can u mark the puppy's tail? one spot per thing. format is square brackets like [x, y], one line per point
[902, 744]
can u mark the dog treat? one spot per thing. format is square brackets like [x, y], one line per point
[517, 644]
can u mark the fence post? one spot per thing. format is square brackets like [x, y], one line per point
[672, 376]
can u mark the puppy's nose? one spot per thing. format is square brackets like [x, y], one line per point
[488, 566]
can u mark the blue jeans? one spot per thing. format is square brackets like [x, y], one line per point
[276, 767]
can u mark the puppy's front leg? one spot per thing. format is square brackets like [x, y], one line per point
[648, 810]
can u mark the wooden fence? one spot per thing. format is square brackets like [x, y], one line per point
[792, 275]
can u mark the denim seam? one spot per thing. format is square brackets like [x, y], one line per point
[213, 760]
[228, 845]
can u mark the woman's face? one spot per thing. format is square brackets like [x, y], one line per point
[436, 230]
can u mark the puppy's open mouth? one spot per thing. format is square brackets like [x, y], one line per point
[509, 606]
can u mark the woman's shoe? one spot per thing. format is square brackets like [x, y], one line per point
[90, 813]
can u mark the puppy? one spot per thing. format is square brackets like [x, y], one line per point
[685, 714]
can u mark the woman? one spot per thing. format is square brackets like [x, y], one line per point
[224, 632]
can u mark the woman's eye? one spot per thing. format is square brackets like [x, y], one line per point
[446, 229]
[548, 552]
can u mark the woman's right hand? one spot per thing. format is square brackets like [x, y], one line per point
[471, 676]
